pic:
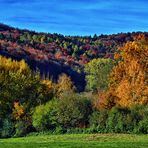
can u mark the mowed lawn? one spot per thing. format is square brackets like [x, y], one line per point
[78, 141]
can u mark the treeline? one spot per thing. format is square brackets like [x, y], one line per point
[115, 98]
[70, 50]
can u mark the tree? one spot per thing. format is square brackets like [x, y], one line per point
[73, 110]
[129, 78]
[35, 38]
[43, 39]
[97, 73]
[19, 84]
[64, 85]
[44, 116]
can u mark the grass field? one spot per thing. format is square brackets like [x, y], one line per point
[78, 141]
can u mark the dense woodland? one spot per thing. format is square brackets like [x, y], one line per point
[71, 84]
[53, 54]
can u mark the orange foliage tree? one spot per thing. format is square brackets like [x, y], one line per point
[129, 78]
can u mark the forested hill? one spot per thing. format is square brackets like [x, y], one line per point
[54, 54]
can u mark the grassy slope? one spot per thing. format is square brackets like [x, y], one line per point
[78, 141]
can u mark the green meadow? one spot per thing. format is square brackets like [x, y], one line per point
[77, 141]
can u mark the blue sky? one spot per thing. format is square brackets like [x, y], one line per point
[76, 17]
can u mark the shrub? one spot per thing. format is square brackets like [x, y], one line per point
[7, 128]
[116, 121]
[22, 128]
[59, 130]
[143, 126]
[98, 121]
[141, 119]
[44, 116]
[73, 110]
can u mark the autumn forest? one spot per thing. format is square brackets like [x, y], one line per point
[72, 84]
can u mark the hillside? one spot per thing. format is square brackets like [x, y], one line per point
[106, 92]
[54, 54]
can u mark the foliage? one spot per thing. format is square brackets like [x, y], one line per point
[27, 97]
[21, 89]
[97, 73]
[120, 120]
[18, 111]
[128, 83]
[64, 85]
[22, 128]
[67, 112]
[116, 121]
[98, 121]
[73, 110]
[143, 126]
[7, 128]
[44, 116]
[66, 54]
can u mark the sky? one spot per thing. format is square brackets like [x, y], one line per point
[76, 17]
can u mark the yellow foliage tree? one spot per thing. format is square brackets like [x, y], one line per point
[129, 78]
[13, 65]
[47, 89]
[64, 85]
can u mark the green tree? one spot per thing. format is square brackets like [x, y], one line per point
[19, 84]
[97, 73]
[44, 116]
[73, 110]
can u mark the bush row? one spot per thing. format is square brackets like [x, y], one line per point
[74, 113]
